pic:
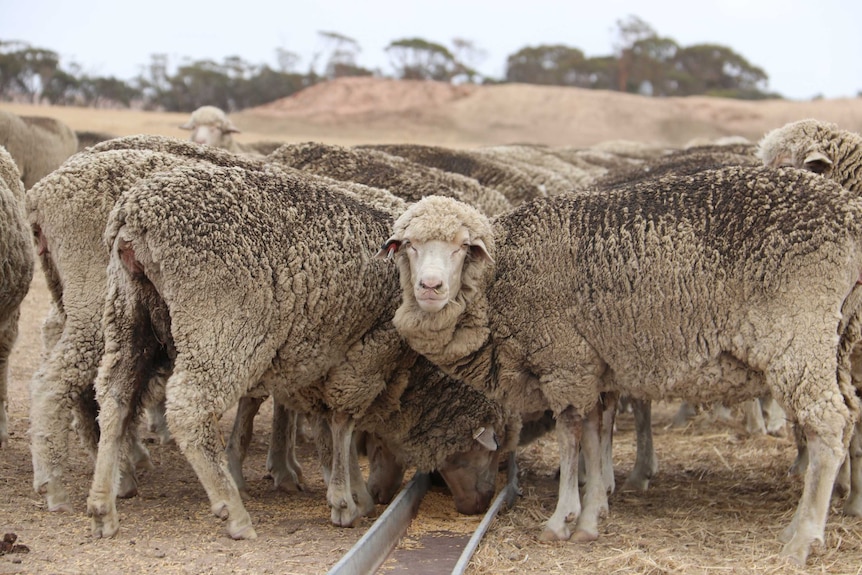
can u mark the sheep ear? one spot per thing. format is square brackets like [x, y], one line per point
[817, 162]
[480, 252]
[486, 438]
[188, 126]
[229, 128]
[388, 249]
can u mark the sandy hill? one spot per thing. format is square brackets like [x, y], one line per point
[359, 110]
[505, 113]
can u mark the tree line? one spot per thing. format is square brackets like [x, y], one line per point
[642, 62]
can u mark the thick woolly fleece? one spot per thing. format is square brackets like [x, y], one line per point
[69, 209]
[39, 145]
[609, 269]
[816, 146]
[682, 163]
[403, 178]
[546, 166]
[677, 287]
[511, 181]
[434, 417]
[16, 270]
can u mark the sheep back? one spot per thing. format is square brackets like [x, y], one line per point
[38, 144]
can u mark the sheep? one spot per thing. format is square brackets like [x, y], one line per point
[68, 210]
[432, 422]
[401, 177]
[232, 277]
[823, 148]
[817, 146]
[510, 180]
[677, 287]
[210, 125]
[38, 144]
[556, 176]
[87, 138]
[16, 270]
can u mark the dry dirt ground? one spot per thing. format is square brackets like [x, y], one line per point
[717, 505]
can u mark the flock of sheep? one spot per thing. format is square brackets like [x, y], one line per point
[532, 288]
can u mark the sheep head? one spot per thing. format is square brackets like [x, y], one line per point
[440, 246]
[210, 126]
[806, 145]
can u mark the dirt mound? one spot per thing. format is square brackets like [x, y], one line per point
[384, 109]
[366, 96]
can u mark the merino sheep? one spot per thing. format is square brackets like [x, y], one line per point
[510, 180]
[16, 269]
[87, 138]
[677, 287]
[823, 148]
[817, 146]
[38, 144]
[553, 174]
[232, 277]
[211, 126]
[401, 177]
[68, 210]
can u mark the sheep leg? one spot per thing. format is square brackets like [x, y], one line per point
[753, 417]
[60, 388]
[358, 486]
[809, 520]
[853, 503]
[240, 437]
[156, 422]
[194, 406]
[595, 491]
[344, 511]
[646, 462]
[281, 462]
[323, 443]
[386, 473]
[8, 334]
[774, 416]
[569, 429]
[684, 414]
[609, 413]
[131, 350]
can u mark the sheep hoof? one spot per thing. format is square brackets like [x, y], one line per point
[636, 484]
[104, 522]
[795, 553]
[242, 530]
[582, 536]
[57, 500]
[549, 534]
[343, 517]
[853, 506]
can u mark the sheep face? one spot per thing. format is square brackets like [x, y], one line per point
[210, 126]
[471, 475]
[436, 236]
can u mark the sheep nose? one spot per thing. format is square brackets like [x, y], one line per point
[432, 283]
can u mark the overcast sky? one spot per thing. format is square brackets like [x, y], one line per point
[806, 48]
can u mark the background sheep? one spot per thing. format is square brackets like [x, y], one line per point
[37, 144]
[16, 269]
[816, 146]
[508, 179]
[653, 293]
[87, 138]
[401, 177]
[211, 126]
[232, 277]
